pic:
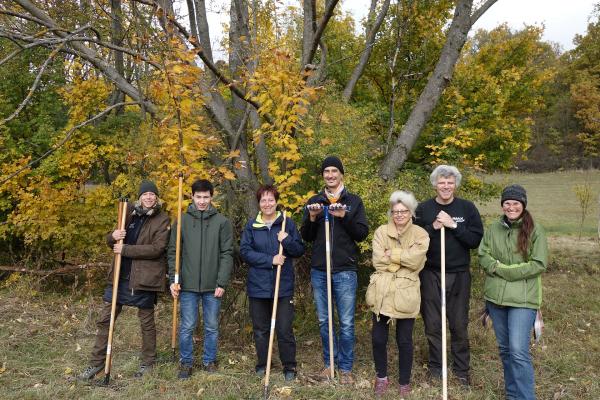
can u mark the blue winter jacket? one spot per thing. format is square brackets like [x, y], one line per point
[258, 246]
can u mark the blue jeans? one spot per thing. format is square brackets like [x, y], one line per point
[513, 331]
[343, 301]
[189, 302]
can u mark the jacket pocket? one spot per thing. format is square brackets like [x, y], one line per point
[151, 276]
[371, 295]
[407, 296]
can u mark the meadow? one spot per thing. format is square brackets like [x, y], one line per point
[552, 199]
[46, 334]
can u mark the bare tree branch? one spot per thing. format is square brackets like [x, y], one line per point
[310, 54]
[34, 41]
[89, 55]
[67, 137]
[481, 10]
[57, 271]
[372, 29]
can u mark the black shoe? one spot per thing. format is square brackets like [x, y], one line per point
[185, 372]
[211, 367]
[289, 376]
[464, 380]
[90, 372]
[144, 369]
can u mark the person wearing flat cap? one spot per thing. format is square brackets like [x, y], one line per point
[514, 254]
[348, 225]
[142, 275]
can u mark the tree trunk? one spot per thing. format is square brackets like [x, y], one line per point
[437, 82]
[308, 53]
[371, 32]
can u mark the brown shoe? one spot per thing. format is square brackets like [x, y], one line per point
[324, 375]
[346, 378]
[211, 367]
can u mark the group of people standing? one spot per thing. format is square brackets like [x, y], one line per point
[406, 282]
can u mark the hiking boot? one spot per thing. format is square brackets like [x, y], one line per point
[90, 372]
[404, 390]
[381, 385]
[211, 367]
[185, 372]
[144, 369]
[289, 376]
[324, 375]
[346, 378]
[260, 372]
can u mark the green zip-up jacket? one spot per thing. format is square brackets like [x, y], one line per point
[511, 280]
[206, 250]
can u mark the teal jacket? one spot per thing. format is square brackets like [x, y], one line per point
[206, 250]
[512, 280]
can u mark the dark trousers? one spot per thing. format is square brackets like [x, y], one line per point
[260, 312]
[379, 336]
[458, 292]
[148, 328]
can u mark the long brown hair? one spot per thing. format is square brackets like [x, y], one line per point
[525, 234]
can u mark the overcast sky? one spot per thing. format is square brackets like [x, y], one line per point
[562, 18]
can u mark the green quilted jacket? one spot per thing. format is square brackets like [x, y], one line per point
[512, 280]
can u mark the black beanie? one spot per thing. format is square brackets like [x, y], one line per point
[332, 161]
[147, 186]
[514, 192]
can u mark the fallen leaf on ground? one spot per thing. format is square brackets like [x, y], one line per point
[68, 371]
[285, 391]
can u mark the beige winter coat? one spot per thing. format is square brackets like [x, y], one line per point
[394, 288]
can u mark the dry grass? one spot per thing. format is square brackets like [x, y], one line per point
[45, 339]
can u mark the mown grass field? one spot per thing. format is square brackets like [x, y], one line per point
[552, 200]
[46, 337]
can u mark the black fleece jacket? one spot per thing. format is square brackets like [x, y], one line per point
[344, 233]
[459, 241]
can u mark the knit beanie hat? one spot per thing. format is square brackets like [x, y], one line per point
[332, 161]
[147, 186]
[514, 192]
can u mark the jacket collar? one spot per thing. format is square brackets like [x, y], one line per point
[259, 223]
[393, 232]
[323, 196]
[141, 211]
[510, 225]
[193, 211]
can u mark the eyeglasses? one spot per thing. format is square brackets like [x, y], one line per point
[401, 212]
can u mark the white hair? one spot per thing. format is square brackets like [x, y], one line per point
[445, 171]
[406, 198]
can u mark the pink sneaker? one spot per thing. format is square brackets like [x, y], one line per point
[381, 385]
[405, 390]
